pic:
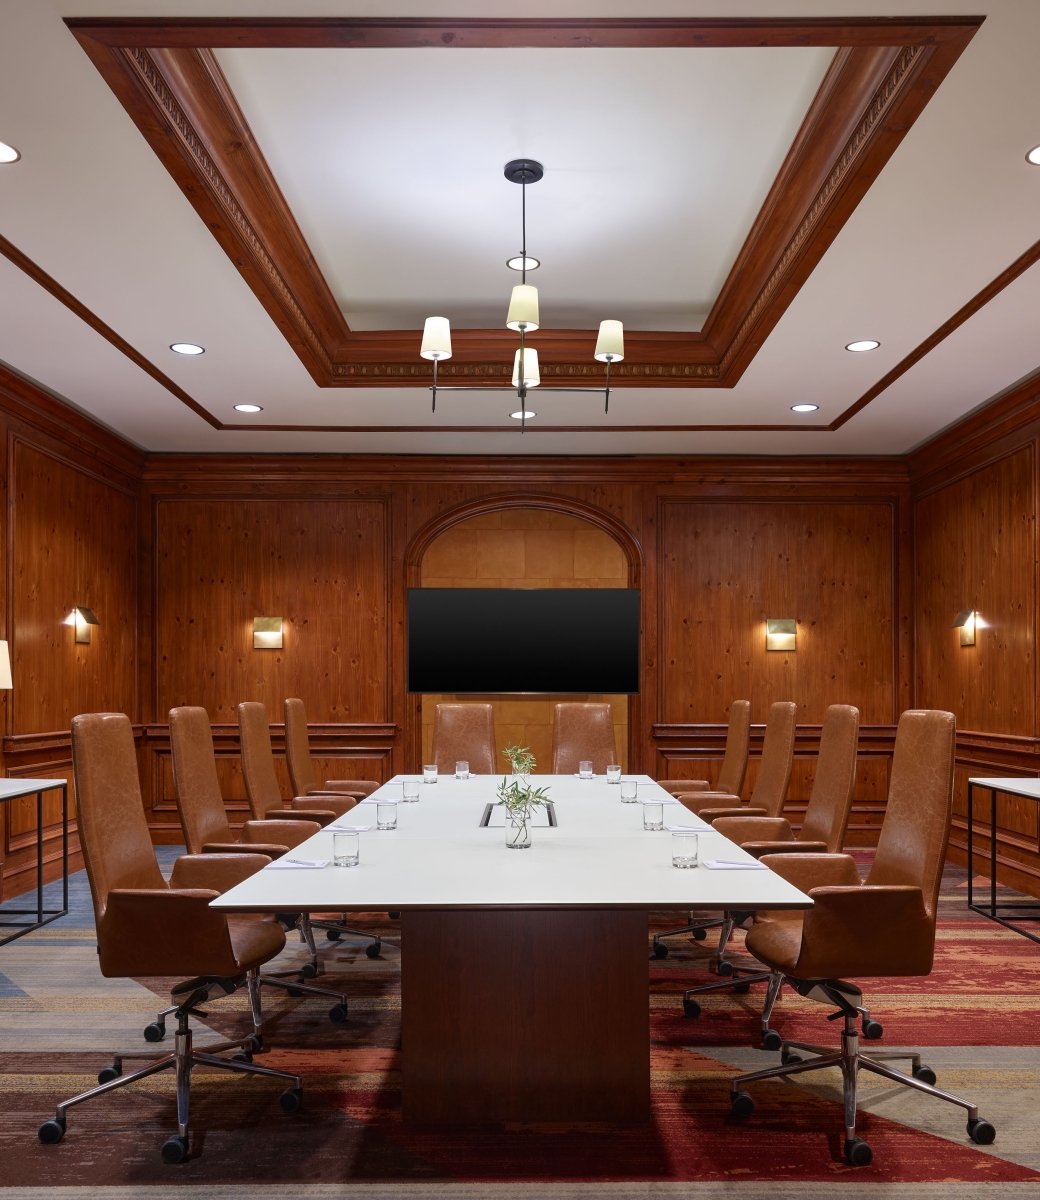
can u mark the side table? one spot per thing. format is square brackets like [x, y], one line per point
[1029, 910]
[13, 789]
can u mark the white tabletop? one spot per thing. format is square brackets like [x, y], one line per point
[11, 789]
[599, 856]
[1015, 787]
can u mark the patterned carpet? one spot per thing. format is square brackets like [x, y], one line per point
[975, 1021]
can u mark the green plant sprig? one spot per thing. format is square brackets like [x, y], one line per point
[520, 759]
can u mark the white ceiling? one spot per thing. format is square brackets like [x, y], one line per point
[391, 162]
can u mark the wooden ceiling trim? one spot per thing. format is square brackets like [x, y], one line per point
[167, 78]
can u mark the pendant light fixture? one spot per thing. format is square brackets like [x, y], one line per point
[523, 318]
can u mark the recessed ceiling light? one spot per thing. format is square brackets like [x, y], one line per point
[804, 407]
[1034, 156]
[864, 345]
[519, 263]
[526, 415]
[249, 408]
[187, 348]
[8, 154]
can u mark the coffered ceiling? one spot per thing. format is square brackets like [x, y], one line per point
[747, 186]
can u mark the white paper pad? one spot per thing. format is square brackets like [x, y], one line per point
[688, 829]
[298, 864]
[348, 828]
[720, 864]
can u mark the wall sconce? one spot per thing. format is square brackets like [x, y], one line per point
[966, 621]
[82, 618]
[781, 633]
[267, 633]
[6, 682]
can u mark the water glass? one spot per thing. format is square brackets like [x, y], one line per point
[585, 769]
[409, 790]
[629, 791]
[386, 814]
[613, 773]
[684, 849]
[346, 849]
[462, 769]
[429, 773]
[653, 814]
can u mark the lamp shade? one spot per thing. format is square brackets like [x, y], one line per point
[6, 682]
[436, 341]
[610, 345]
[531, 376]
[523, 308]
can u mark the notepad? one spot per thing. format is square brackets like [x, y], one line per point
[298, 864]
[690, 829]
[722, 864]
[347, 828]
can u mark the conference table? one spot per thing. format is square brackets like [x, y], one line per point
[524, 986]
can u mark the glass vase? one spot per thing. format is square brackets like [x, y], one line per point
[518, 829]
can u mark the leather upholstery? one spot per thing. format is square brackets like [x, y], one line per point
[582, 731]
[301, 769]
[201, 805]
[886, 925]
[261, 779]
[774, 774]
[830, 801]
[464, 731]
[146, 926]
[734, 758]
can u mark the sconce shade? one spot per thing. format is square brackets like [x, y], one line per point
[436, 341]
[267, 633]
[6, 682]
[532, 376]
[781, 633]
[965, 621]
[610, 345]
[523, 308]
[82, 618]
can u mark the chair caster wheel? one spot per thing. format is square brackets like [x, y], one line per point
[925, 1074]
[690, 1008]
[741, 1104]
[333, 935]
[858, 1152]
[309, 970]
[373, 950]
[155, 1032]
[51, 1132]
[338, 1013]
[175, 1149]
[872, 1029]
[742, 988]
[243, 1056]
[699, 935]
[253, 1044]
[291, 1100]
[724, 968]
[981, 1132]
[659, 950]
[786, 1058]
[771, 1040]
[107, 1074]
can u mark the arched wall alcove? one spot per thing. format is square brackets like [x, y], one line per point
[526, 542]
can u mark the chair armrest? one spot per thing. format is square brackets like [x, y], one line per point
[683, 785]
[164, 932]
[712, 814]
[322, 816]
[266, 848]
[866, 930]
[336, 804]
[758, 849]
[356, 787]
[283, 833]
[741, 828]
[808, 871]
[218, 872]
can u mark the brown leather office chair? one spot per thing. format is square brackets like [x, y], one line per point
[823, 832]
[265, 801]
[146, 926]
[582, 731]
[204, 821]
[884, 926]
[734, 758]
[301, 768]
[464, 732]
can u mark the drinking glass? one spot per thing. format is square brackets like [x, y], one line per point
[429, 773]
[409, 790]
[629, 791]
[653, 814]
[346, 850]
[685, 846]
[613, 773]
[585, 769]
[386, 814]
[462, 769]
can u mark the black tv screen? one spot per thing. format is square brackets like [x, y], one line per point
[492, 640]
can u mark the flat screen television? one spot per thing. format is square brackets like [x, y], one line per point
[547, 640]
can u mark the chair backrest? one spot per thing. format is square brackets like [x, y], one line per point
[113, 829]
[830, 801]
[254, 740]
[774, 768]
[735, 758]
[199, 799]
[911, 847]
[582, 731]
[465, 732]
[298, 748]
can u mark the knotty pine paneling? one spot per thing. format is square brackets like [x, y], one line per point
[320, 565]
[726, 567]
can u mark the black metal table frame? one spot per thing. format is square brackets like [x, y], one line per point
[43, 915]
[990, 910]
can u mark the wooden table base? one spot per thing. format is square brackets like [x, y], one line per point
[524, 1015]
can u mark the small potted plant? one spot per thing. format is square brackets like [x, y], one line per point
[518, 797]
